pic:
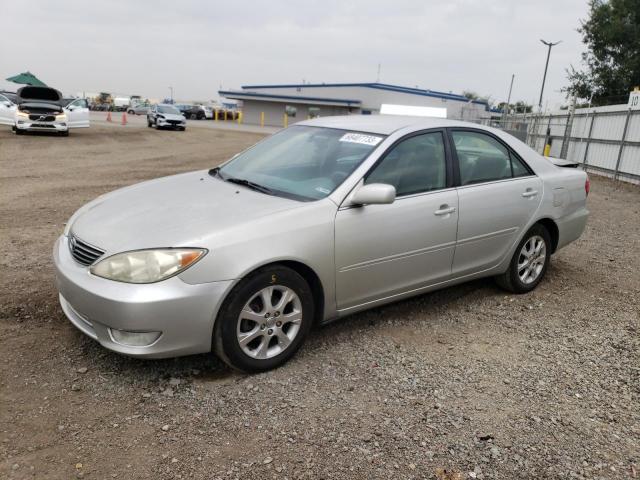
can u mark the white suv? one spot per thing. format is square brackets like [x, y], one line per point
[43, 109]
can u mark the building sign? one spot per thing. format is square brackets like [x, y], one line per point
[412, 110]
[634, 100]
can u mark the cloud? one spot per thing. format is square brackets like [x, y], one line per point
[196, 46]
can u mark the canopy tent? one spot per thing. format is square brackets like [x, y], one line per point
[27, 78]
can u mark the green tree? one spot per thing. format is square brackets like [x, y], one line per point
[612, 60]
[471, 95]
[518, 107]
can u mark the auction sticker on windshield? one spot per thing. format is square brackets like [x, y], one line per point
[361, 138]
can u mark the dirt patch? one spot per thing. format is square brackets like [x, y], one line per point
[468, 379]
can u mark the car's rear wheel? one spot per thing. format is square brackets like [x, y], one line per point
[264, 320]
[149, 124]
[529, 262]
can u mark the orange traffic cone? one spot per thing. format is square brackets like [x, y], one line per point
[108, 116]
[124, 118]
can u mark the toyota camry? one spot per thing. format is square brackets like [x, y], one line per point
[321, 220]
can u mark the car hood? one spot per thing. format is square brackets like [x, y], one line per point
[186, 210]
[172, 116]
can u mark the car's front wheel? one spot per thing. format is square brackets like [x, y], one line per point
[529, 262]
[264, 320]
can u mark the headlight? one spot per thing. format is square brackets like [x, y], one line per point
[23, 114]
[61, 116]
[147, 266]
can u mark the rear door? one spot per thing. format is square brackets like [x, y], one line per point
[7, 111]
[78, 113]
[497, 194]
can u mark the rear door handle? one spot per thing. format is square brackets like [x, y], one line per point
[444, 210]
[529, 193]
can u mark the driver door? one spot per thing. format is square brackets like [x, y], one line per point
[7, 111]
[78, 113]
[387, 250]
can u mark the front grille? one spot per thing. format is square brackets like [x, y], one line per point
[82, 252]
[174, 122]
[42, 118]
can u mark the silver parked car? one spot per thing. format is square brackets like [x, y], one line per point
[166, 116]
[139, 109]
[326, 218]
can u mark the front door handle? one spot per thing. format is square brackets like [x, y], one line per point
[444, 210]
[529, 193]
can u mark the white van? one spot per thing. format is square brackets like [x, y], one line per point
[43, 109]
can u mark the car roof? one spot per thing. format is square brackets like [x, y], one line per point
[384, 124]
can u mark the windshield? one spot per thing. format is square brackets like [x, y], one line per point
[306, 163]
[167, 109]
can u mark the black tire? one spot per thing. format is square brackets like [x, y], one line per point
[182, 129]
[510, 280]
[19, 131]
[65, 133]
[149, 123]
[225, 340]
[131, 112]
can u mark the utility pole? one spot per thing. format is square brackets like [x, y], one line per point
[506, 109]
[171, 89]
[546, 65]
[378, 77]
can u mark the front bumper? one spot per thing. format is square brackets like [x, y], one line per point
[36, 126]
[184, 313]
[171, 123]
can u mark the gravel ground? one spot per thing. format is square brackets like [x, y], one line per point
[468, 382]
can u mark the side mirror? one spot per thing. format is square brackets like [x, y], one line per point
[374, 194]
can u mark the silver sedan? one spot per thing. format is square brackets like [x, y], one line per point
[326, 218]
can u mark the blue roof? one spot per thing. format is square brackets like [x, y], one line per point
[232, 94]
[379, 86]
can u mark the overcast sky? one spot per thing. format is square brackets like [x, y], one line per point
[197, 46]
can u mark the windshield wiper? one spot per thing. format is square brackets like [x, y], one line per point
[254, 186]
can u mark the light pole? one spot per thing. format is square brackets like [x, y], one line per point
[171, 89]
[506, 108]
[546, 65]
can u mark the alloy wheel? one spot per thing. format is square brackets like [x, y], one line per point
[269, 322]
[531, 260]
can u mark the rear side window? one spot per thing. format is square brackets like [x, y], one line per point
[414, 165]
[482, 158]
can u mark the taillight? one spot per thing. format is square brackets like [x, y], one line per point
[587, 186]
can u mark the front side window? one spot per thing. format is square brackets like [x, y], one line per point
[482, 158]
[80, 103]
[305, 163]
[415, 165]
